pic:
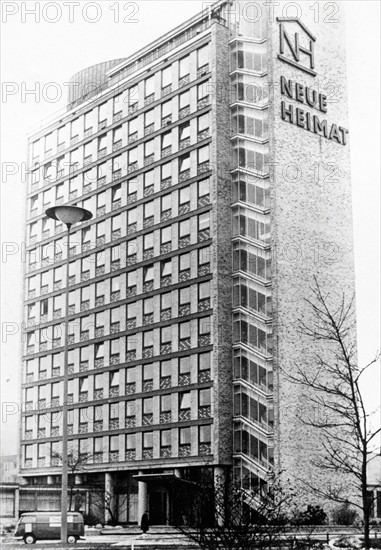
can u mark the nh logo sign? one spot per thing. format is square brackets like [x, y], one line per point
[290, 49]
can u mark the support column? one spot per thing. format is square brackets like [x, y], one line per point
[142, 498]
[219, 485]
[17, 502]
[109, 496]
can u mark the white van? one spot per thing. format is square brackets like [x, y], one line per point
[47, 526]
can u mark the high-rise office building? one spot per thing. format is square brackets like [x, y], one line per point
[215, 162]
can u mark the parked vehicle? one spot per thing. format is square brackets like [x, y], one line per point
[34, 526]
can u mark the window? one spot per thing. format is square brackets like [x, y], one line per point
[149, 209]
[184, 131]
[203, 92]
[204, 434]
[166, 109]
[61, 134]
[114, 379]
[184, 330]
[133, 126]
[166, 334]
[184, 67]
[148, 274]
[149, 148]
[149, 180]
[99, 319]
[148, 241]
[185, 436]
[102, 142]
[130, 442]
[184, 296]
[184, 229]
[147, 440]
[75, 128]
[149, 118]
[165, 403]
[184, 100]
[184, 400]
[102, 112]
[133, 97]
[117, 103]
[184, 263]
[203, 154]
[204, 361]
[184, 195]
[131, 280]
[131, 342]
[204, 256]
[184, 163]
[148, 339]
[166, 235]
[203, 123]
[204, 221]
[148, 306]
[247, 121]
[166, 140]
[166, 268]
[131, 217]
[133, 155]
[166, 77]
[204, 326]
[116, 193]
[117, 135]
[166, 171]
[149, 86]
[165, 369]
[132, 186]
[203, 56]
[98, 445]
[166, 203]
[203, 188]
[99, 350]
[204, 397]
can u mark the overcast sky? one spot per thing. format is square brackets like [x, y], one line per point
[36, 53]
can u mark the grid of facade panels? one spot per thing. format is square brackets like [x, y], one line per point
[140, 316]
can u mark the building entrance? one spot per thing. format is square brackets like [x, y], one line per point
[158, 508]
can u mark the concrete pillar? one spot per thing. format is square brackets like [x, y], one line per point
[109, 496]
[50, 480]
[142, 498]
[17, 502]
[219, 484]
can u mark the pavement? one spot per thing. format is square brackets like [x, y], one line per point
[160, 538]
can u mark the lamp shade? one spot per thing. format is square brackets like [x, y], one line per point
[69, 215]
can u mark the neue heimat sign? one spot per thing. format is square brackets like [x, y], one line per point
[303, 58]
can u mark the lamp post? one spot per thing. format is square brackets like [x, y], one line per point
[69, 215]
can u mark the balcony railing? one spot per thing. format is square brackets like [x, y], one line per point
[147, 385]
[184, 450]
[166, 452]
[165, 417]
[204, 449]
[184, 414]
[147, 419]
[148, 453]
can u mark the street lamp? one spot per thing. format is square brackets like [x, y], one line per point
[69, 215]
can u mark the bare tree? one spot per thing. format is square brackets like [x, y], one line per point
[334, 390]
[112, 504]
[76, 462]
[223, 514]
